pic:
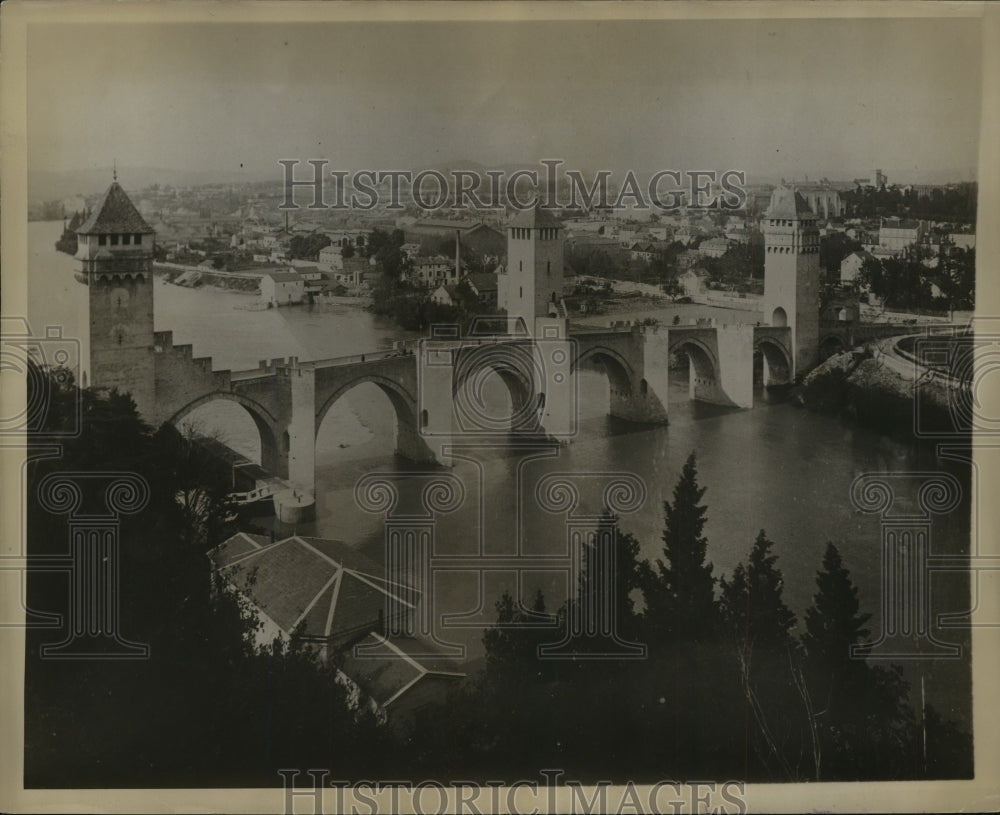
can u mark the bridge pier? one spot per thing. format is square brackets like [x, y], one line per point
[735, 374]
[646, 401]
[302, 430]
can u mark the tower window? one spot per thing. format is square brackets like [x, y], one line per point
[520, 265]
[520, 291]
[548, 267]
[114, 240]
[102, 240]
[119, 338]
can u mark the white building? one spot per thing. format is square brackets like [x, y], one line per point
[282, 288]
[850, 266]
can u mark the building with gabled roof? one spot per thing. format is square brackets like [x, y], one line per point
[400, 675]
[320, 590]
[282, 288]
[337, 600]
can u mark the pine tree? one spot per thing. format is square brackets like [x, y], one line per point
[865, 725]
[596, 587]
[759, 621]
[833, 623]
[751, 601]
[680, 595]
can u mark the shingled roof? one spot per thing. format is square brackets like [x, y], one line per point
[115, 214]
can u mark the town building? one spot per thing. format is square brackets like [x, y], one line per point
[446, 295]
[484, 286]
[850, 266]
[331, 258]
[432, 271]
[963, 240]
[338, 602]
[282, 288]
[896, 235]
[713, 247]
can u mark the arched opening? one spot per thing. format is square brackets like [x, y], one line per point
[235, 429]
[494, 390]
[772, 365]
[363, 424]
[842, 315]
[831, 345]
[692, 376]
[603, 378]
[779, 318]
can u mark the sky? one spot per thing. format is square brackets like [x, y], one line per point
[775, 98]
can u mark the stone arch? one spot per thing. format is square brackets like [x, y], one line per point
[779, 317]
[271, 455]
[704, 368]
[831, 344]
[518, 368]
[403, 402]
[778, 362]
[614, 365]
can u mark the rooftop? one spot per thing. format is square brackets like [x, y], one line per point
[787, 202]
[388, 667]
[284, 277]
[317, 587]
[115, 213]
[535, 218]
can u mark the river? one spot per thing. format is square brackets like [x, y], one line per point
[775, 467]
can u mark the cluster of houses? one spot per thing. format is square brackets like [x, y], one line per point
[896, 238]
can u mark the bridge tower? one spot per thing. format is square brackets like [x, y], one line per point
[115, 245]
[791, 273]
[531, 287]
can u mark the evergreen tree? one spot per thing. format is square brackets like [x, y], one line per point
[680, 594]
[864, 725]
[759, 621]
[620, 551]
[751, 601]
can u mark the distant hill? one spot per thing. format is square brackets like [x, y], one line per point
[47, 185]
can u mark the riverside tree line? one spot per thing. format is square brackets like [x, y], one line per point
[734, 685]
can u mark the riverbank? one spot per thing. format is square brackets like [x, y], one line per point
[863, 387]
[198, 278]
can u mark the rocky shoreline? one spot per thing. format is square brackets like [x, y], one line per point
[860, 387]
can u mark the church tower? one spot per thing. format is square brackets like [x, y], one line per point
[531, 287]
[115, 246]
[791, 273]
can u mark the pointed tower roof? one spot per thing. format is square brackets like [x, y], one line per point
[535, 218]
[787, 202]
[115, 213]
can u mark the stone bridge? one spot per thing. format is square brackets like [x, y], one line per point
[436, 387]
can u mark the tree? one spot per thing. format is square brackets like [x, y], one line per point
[207, 704]
[751, 602]
[864, 724]
[672, 288]
[595, 587]
[680, 596]
[759, 622]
